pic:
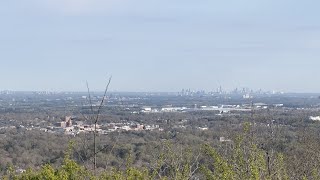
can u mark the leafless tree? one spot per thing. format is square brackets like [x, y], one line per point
[95, 119]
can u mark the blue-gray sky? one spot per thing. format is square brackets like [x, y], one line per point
[160, 45]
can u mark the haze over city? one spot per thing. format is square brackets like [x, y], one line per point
[159, 45]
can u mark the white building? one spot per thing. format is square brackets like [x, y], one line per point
[315, 118]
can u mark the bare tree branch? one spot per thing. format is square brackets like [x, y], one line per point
[95, 124]
[90, 100]
[102, 101]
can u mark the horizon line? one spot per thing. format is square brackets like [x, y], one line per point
[116, 91]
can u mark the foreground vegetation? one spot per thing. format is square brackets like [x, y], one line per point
[242, 158]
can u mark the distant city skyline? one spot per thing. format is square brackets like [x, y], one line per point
[183, 90]
[159, 46]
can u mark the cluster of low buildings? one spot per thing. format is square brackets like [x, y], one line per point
[69, 127]
[220, 108]
[163, 109]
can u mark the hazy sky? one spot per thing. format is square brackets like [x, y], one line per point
[160, 45]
